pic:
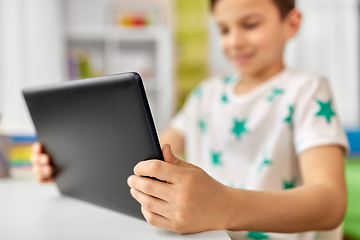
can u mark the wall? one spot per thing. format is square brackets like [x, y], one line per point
[31, 53]
[328, 43]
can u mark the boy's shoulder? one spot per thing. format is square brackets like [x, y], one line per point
[306, 80]
[289, 78]
[304, 76]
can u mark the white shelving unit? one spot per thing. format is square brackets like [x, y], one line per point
[115, 49]
[31, 54]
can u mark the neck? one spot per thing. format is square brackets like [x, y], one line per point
[263, 75]
[251, 81]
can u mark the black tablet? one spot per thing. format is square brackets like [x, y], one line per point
[95, 131]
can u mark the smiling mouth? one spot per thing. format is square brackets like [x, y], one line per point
[242, 59]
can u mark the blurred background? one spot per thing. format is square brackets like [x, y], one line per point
[173, 44]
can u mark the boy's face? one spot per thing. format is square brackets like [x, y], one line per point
[253, 34]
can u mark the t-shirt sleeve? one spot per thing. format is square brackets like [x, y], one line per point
[316, 122]
[180, 120]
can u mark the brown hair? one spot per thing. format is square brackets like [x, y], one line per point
[285, 6]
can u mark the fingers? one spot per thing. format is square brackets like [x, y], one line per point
[156, 220]
[169, 171]
[37, 148]
[159, 169]
[150, 187]
[151, 204]
[40, 159]
[44, 180]
[169, 157]
[44, 172]
[41, 163]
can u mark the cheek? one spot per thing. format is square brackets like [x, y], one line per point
[224, 45]
[258, 40]
[267, 43]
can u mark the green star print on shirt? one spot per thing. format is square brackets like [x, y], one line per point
[264, 163]
[239, 128]
[202, 125]
[289, 184]
[229, 79]
[215, 157]
[325, 110]
[289, 118]
[224, 98]
[274, 94]
[257, 235]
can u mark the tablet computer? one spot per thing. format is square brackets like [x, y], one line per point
[95, 131]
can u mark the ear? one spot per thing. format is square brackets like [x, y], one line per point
[292, 23]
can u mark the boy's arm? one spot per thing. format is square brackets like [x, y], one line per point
[191, 201]
[174, 139]
[319, 204]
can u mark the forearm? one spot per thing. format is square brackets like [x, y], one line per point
[306, 208]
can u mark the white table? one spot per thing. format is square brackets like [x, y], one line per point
[34, 211]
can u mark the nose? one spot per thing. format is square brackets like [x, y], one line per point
[235, 39]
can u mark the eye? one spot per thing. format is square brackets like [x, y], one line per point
[224, 31]
[251, 25]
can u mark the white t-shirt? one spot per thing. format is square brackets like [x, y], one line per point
[252, 140]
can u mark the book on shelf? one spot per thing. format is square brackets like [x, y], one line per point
[16, 152]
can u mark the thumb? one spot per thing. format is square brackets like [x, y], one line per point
[169, 157]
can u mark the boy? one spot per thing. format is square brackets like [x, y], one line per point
[270, 138]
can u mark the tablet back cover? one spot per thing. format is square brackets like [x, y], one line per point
[95, 131]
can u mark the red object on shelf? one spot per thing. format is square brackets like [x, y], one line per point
[132, 20]
[139, 20]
